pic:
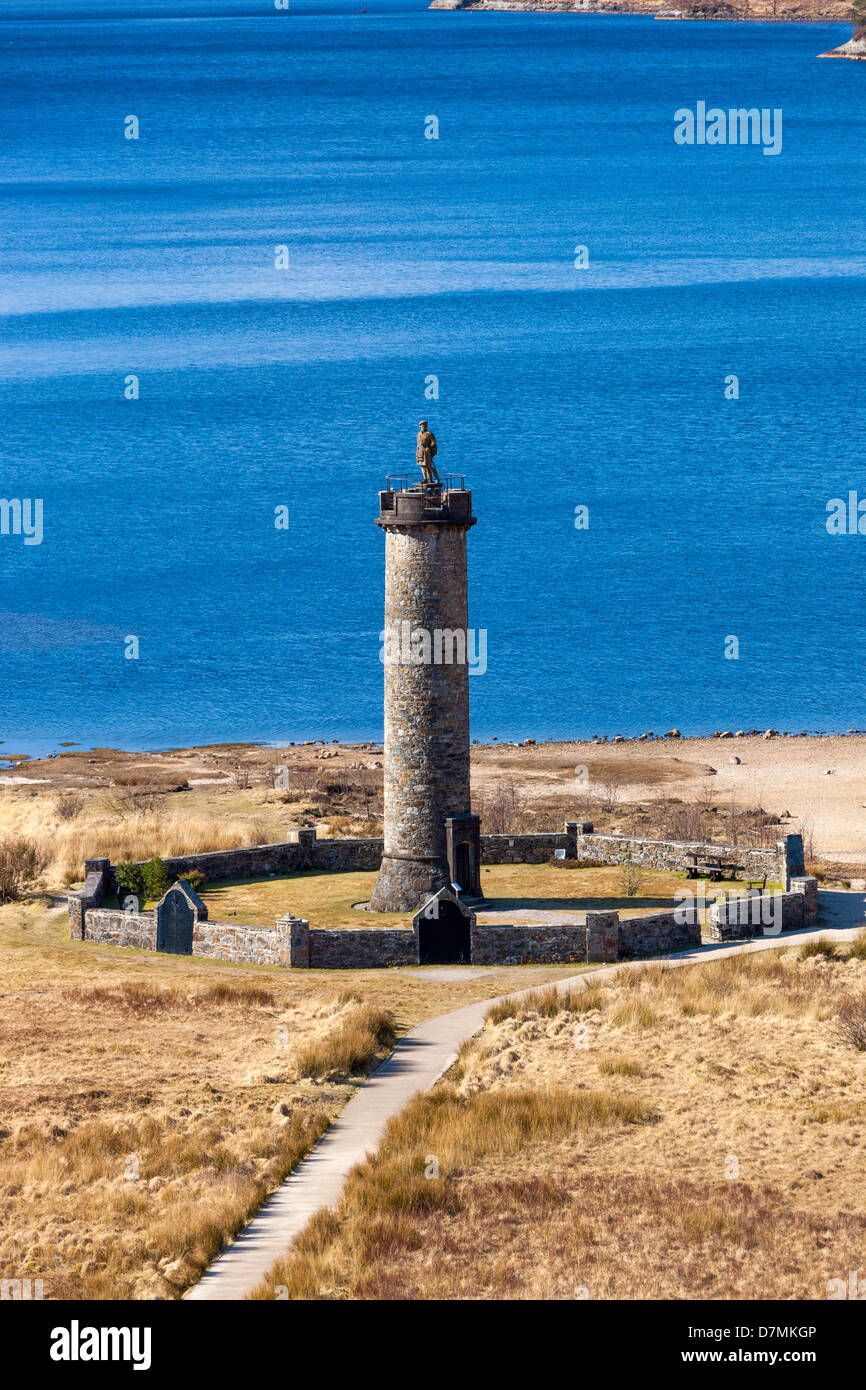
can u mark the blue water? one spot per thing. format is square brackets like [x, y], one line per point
[410, 257]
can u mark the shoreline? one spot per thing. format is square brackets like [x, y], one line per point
[19, 760]
[649, 12]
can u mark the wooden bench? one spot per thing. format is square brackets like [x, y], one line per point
[713, 867]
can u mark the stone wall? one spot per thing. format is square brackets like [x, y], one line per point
[524, 849]
[121, 928]
[364, 949]
[673, 854]
[659, 933]
[244, 944]
[765, 914]
[287, 857]
[527, 944]
[306, 851]
[604, 938]
[232, 941]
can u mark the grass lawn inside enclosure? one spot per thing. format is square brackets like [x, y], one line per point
[325, 899]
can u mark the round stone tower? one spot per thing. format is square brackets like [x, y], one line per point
[431, 838]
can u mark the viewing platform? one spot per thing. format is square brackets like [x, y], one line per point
[445, 503]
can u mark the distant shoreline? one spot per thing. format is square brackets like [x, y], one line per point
[649, 10]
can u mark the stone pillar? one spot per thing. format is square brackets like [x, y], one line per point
[294, 948]
[426, 746]
[791, 860]
[75, 908]
[306, 842]
[602, 937]
[809, 888]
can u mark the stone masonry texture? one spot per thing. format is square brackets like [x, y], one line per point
[426, 744]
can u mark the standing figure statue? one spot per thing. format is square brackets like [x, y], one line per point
[425, 452]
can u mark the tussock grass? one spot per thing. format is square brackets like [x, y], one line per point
[548, 1003]
[139, 997]
[819, 947]
[768, 982]
[857, 948]
[416, 1176]
[620, 1066]
[357, 1041]
[180, 826]
[636, 1013]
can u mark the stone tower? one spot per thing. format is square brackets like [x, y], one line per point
[431, 837]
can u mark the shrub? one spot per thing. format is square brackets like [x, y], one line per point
[21, 861]
[68, 805]
[849, 1024]
[155, 878]
[631, 878]
[195, 880]
[130, 880]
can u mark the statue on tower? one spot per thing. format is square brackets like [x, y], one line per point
[425, 452]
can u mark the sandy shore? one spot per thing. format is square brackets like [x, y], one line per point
[819, 781]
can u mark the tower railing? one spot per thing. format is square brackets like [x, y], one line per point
[399, 482]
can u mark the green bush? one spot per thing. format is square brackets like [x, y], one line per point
[195, 880]
[155, 877]
[130, 881]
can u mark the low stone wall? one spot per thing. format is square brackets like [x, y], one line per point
[604, 938]
[765, 914]
[577, 840]
[527, 945]
[234, 941]
[672, 854]
[238, 942]
[287, 857]
[524, 849]
[120, 928]
[364, 949]
[659, 933]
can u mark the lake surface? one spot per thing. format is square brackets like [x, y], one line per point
[559, 387]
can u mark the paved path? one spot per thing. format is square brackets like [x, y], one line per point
[416, 1063]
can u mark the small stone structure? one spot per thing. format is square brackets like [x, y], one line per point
[178, 912]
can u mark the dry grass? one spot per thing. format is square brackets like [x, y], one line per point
[414, 1176]
[148, 1103]
[185, 825]
[746, 1184]
[364, 1035]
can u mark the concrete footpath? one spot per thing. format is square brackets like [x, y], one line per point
[416, 1063]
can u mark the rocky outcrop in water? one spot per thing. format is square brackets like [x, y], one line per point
[854, 48]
